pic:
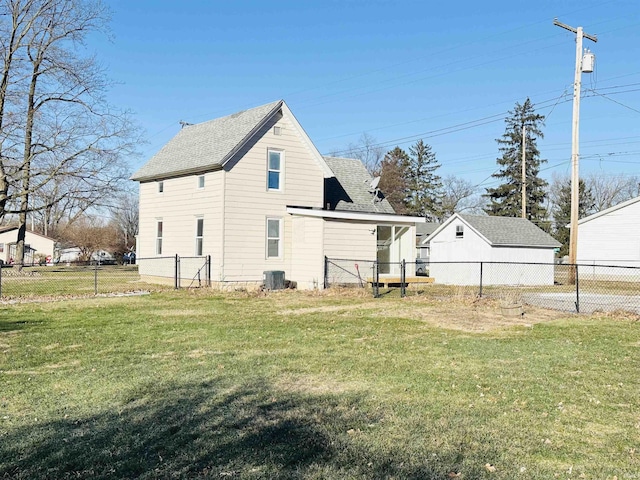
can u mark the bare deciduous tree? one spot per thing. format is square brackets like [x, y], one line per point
[68, 144]
[459, 196]
[608, 191]
[368, 151]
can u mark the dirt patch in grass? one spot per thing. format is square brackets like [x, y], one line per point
[458, 313]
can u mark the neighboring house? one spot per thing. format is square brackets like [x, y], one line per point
[35, 245]
[611, 236]
[468, 239]
[423, 230]
[253, 192]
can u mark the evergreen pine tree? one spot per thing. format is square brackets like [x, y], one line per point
[506, 199]
[424, 186]
[562, 211]
[393, 178]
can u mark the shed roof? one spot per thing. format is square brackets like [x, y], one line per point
[510, 231]
[350, 190]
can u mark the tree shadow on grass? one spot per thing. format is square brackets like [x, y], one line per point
[201, 431]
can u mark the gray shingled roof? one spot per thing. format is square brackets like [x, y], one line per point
[510, 231]
[350, 189]
[205, 145]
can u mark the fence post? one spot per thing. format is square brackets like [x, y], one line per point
[326, 272]
[0, 281]
[208, 270]
[95, 279]
[176, 284]
[577, 291]
[480, 293]
[376, 278]
[403, 277]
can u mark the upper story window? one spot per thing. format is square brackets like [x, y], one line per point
[274, 169]
[1, 247]
[160, 187]
[201, 181]
[459, 231]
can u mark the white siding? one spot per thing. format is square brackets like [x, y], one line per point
[611, 239]
[445, 247]
[248, 203]
[178, 207]
[41, 244]
[353, 241]
[307, 259]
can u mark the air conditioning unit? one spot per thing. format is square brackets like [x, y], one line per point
[273, 279]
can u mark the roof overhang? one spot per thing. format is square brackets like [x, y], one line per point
[357, 216]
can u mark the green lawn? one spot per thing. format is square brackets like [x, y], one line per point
[202, 385]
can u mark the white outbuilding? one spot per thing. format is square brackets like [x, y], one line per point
[510, 251]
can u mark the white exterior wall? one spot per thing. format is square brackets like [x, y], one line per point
[353, 241]
[178, 207]
[472, 247]
[307, 259]
[611, 239]
[248, 204]
[41, 244]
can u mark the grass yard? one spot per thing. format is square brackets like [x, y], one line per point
[292, 385]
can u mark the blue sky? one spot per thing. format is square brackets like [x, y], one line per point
[399, 70]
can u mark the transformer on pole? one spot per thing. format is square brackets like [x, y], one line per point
[582, 65]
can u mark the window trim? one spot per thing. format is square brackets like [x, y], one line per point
[280, 171]
[159, 236]
[160, 186]
[201, 182]
[459, 231]
[199, 238]
[278, 238]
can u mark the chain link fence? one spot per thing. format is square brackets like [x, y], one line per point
[68, 279]
[571, 288]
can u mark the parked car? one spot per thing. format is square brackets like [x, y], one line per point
[129, 258]
[422, 267]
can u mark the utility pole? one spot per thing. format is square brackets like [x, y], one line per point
[575, 179]
[524, 171]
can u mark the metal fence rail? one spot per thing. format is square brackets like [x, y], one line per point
[69, 279]
[573, 288]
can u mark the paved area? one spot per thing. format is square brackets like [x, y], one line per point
[589, 302]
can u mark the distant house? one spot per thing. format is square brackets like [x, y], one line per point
[423, 230]
[252, 191]
[468, 239]
[35, 245]
[74, 254]
[611, 236]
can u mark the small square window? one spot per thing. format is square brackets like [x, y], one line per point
[160, 187]
[459, 231]
[277, 130]
[201, 181]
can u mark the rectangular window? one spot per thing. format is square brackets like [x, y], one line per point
[459, 231]
[1, 247]
[201, 181]
[274, 238]
[160, 187]
[274, 169]
[199, 235]
[159, 238]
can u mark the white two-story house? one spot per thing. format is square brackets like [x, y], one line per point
[252, 191]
